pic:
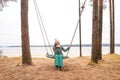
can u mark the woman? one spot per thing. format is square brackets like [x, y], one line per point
[58, 58]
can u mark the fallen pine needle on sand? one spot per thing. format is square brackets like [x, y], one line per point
[74, 69]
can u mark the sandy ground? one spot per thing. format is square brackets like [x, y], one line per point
[74, 69]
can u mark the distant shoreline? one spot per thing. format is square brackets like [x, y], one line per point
[65, 45]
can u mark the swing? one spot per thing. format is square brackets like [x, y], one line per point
[52, 56]
[44, 33]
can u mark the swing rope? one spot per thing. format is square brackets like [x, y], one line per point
[42, 26]
[83, 7]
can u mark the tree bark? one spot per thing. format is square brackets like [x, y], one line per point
[111, 6]
[95, 32]
[26, 55]
[100, 17]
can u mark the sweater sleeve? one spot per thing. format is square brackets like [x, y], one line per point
[64, 49]
[54, 49]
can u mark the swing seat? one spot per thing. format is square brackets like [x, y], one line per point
[49, 55]
[52, 56]
[65, 57]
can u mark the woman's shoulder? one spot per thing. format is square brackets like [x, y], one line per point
[61, 46]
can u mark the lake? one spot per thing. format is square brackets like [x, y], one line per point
[41, 51]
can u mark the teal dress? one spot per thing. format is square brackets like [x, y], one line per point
[58, 57]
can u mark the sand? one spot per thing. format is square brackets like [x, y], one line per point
[74, 69]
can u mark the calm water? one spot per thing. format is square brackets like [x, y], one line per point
[41, 51]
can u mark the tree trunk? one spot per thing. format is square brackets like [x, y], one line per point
[26, 56]
[111, 5]
[100, 16]
[95, 32]
[80, 29]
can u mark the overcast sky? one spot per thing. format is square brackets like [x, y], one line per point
[59, 17]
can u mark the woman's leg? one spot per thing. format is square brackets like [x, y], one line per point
[60, 61]
[56, 60]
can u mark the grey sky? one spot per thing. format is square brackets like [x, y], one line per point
[60, 18]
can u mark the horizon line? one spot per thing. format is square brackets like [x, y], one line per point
[65, 45]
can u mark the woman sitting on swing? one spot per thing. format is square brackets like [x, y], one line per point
[58, 58]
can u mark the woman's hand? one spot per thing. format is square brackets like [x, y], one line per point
[58, 46]
[68, 48]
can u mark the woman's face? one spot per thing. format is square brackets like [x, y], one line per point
[57, 44]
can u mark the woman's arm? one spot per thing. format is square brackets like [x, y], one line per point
[54, 49]
[65, 49]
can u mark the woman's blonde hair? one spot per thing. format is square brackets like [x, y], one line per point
[56, 42]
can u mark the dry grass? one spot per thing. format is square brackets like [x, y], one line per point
[74, 69]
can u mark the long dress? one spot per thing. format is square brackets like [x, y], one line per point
[58, 57]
